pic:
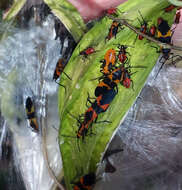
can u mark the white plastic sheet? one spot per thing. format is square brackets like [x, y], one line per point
[28, 60]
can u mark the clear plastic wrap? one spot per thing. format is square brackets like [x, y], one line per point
[150, 137]
[28, 60]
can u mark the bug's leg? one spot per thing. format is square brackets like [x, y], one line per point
[132, 85]
[67, 75]
[116, 89]
[159, 69]
[62, 86]
[78, 145]
[91, 133]
[135, 39]
[104, 121]
[88, 99]
[96, 78]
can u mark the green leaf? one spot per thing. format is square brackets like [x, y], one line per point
[176, 2]
[15, 8]
[69, 16]
[82, 70]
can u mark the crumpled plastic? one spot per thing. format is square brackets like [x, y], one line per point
[22, 74]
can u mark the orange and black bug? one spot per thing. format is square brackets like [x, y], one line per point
[86, 120]
[104, 85]
[113, 30]
[30, 111]
[59, 70]
[108, 61]
[118, 75]
[177, 17]
[122, 75]
[169, 8]
[83, 122]
[163, 35]
[103, 101]
[86, 182]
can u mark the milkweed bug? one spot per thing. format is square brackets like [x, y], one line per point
[88, 51]
[169, 8]
[122, 54]
[122, 75]
[104, 85]
[113, 30]
[83, 124]
[103, 101]
[177, 17]
[85, 121]
[108, 61]
[30, 111]
[143, 26]
[166, 52]
[152, 31]
[59, 70]
[86, 182]
[118, 75]
[163, 31]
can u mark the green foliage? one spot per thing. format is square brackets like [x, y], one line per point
[176, 2]
[82, 70]
[70, 17]
[15, 8]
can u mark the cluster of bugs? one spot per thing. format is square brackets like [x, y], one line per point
[162, 32]
[164, 35]
[115, 69]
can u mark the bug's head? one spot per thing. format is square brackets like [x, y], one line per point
[115, 23]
